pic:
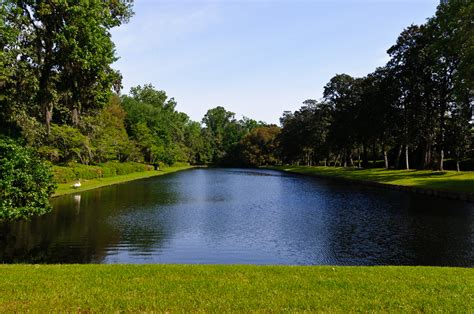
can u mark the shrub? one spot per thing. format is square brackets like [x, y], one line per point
[126, 168]
[25, 182]
[63, 174]
[87, 172]
[74, 171]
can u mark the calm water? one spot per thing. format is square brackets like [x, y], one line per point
[245, 216]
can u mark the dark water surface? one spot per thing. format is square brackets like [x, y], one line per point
[236, 216]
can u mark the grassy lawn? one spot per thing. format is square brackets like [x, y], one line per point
[66, 188]
[446, 180]
[184, 288]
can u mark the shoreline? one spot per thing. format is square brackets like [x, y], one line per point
[344, 175]
[86, 185]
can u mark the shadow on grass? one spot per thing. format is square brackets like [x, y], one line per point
[447, 180]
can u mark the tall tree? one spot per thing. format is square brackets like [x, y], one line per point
[343, 93]
[67, 46]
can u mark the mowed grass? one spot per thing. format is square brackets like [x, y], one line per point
[66, 188]
[191, 288]
[446, 180]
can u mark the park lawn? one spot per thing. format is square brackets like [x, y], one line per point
[66, 188]
[212, 288]
[445, 181]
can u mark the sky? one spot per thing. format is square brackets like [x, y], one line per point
[257, 58]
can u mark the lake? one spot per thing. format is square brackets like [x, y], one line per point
[245, 216]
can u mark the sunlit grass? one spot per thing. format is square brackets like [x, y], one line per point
[446, 180]
[186, 288]
[67, 188]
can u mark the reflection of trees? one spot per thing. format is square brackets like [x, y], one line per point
[401, 229]
[82, 233]
[440, 232]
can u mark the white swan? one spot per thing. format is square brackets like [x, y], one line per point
[76, 185]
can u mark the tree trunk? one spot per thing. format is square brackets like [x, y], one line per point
[385, 157]
[48, 116]
[441, 160]
[458, 168]
[365, 157]
[374, 154]
[75, 117]
[426, 156]
[359, 165]
[407, 162]
[399, 155]
[429, 156]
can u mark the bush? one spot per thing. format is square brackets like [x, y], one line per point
[63, 174]
[25, 182]
[75, 171]
[125, 168]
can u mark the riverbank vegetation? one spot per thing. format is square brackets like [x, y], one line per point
[100, 181]
[60, 96]
[25, 182]
[452, 181]
[192, 288]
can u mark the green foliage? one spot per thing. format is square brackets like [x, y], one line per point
[260, 146]
[420, 102]
[25, 182]
[305, 132]
[57, 55]
[71, 144]
[75, 171]
[66, 188]
[63, 174]
[107, 134]
[158, 129]
[223, 133]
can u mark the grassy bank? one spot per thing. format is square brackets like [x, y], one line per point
[66, 188]
[183, 288]
[444, 181]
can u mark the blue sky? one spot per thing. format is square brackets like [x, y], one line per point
[257, 58]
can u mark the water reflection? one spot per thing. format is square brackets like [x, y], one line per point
[244, 216]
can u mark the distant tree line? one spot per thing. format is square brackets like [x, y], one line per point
[57, 96]
[60, 96]
[414, 112]
[60, 99]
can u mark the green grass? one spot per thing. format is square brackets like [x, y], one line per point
[186, 288]
[445, 181]
[66, 188]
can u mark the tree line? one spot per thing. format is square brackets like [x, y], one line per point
[60, 100]
[414, 112]
[60, 95]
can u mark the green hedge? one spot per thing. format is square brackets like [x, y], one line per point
[74, 171]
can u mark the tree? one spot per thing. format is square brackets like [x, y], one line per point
[412, 65]
[66, 47]
[25, 182]
[260, 146]
[451, 47]
[304, 133]
[108, 137]
[223, 131]
[343, 93]
[153, 122]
